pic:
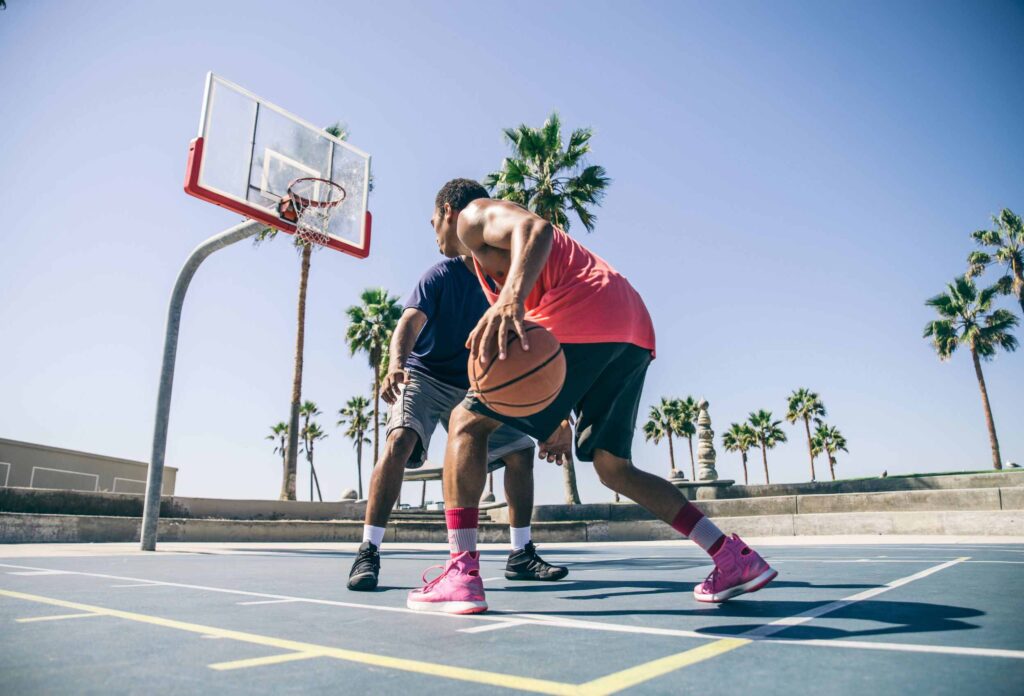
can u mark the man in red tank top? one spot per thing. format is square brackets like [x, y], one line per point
[530, 269]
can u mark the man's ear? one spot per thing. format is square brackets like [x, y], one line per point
[449, 214]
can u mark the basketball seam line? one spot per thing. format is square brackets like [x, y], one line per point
[524, 375]
[550, 396]
[491, 364]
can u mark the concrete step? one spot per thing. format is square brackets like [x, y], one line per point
[1005, 478]
[895, 501]
[44, 528]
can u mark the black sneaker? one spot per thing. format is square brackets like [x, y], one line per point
[527, 565]
[365, 568]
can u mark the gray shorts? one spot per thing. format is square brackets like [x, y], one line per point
[424, 402]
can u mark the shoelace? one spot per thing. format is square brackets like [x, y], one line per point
[430, 584]
[364, 561]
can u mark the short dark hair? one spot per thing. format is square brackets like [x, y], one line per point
[458, 193]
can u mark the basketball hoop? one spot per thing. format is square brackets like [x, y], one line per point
[310, 204]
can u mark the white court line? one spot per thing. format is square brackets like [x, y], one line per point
[496, 626]
[499, 577]
[881, 560]
[38, 572]
[140, 584]
[564, 622]
[267, 601]
[904, 647]
[811, 614]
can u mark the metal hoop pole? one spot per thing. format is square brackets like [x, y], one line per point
[155, 477]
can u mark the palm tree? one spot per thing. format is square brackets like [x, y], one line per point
[968, 319]
[661, 422]
[1007, 243]
[279, 434]
[311, 433]
[547, 179]
[305, 252]
[740, 437]
[768, 434]
[370, 327]
[684, 413]
[358, 421]
[828, 439]
[806, 405]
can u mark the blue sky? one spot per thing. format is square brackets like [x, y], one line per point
[790, 182]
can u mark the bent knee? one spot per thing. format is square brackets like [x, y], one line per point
[402, 441]
[612, 471]
[521, 460]
[465, 423]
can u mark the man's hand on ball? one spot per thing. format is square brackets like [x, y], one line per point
[493, 331]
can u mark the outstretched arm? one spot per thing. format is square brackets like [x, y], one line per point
[527, 237]
[402, 341]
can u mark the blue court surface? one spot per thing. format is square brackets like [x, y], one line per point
[878, 618]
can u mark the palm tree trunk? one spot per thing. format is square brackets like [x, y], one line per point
[1018, 284]
[743, 453]
[300, 339]
[810, 450]
[693, 467]
[284, 469]
[316, 480]
[997, 461]
[376, 414]
[832, 465]
[359, 463]
[764, 456]
[671, 457]
[572, 493]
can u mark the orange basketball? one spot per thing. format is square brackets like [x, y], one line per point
[526, 381]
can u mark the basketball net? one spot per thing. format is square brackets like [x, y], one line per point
[315, 201]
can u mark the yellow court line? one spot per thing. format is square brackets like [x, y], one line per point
[509, 681]
[260, 661]
[656, 668]
[57, 617]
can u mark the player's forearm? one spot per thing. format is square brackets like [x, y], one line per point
[404, 337]
[531, 244]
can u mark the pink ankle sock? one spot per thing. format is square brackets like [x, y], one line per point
[692, 523]
[462, 526]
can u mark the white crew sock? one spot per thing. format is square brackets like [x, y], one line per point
[520, 537]
[374, 535]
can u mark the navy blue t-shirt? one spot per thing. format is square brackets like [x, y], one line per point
[450, 295]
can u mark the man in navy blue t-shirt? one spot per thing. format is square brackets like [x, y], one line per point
[426, 379]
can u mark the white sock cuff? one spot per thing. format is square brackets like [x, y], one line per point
[462, 540]
[705, 533]
[374, 535]
[520, 537]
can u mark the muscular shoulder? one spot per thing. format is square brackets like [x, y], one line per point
[488, 222]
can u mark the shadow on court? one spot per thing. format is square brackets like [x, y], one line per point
[899, 617]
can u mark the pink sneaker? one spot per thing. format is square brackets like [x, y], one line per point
[738, 569]
[457, 590]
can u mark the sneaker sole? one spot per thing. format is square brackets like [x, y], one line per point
[509, 575]
[362, 583]
[475, 607]
[744, 588]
